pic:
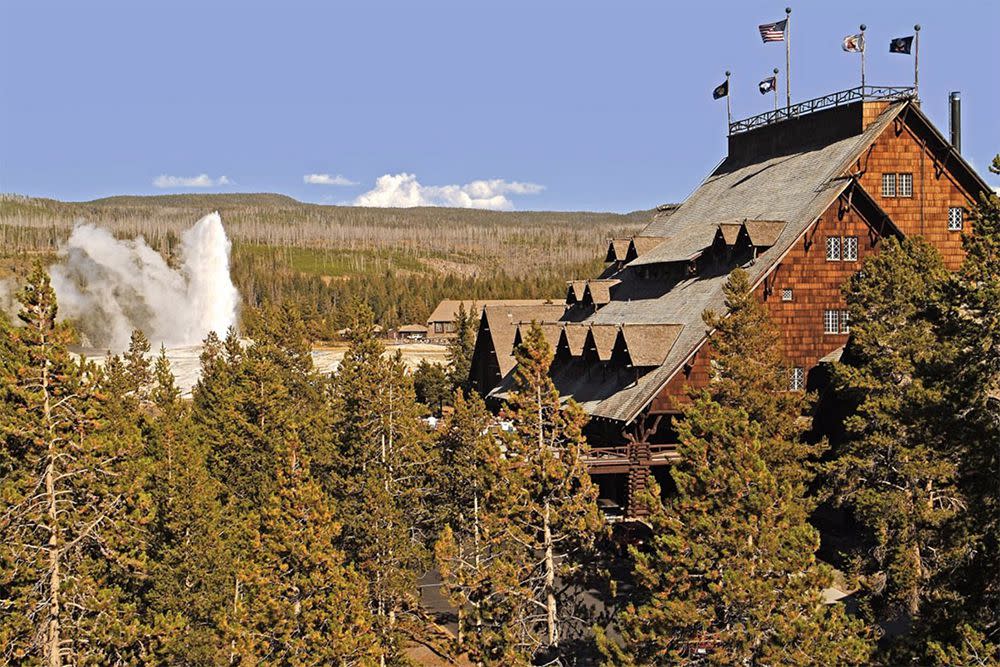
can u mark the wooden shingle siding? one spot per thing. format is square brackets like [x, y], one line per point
[899, 150]
[816, 286]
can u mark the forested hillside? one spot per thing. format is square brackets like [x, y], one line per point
[318, 256]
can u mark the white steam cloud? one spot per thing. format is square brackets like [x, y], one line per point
[199, 181]
[327, 179]
[111, 287]
[403, 191]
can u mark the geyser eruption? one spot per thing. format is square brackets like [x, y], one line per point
[111, 287]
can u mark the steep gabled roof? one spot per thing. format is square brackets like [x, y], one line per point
[502, 321]
[763, 233]
[598, 291]
[795, 185]
[640, 245]
[575, 290]
[447, 310]
[551, 332]
[680, 247]
[730, 231]
[572, 338]
[617, 250]
[600, 341]
[648, 344]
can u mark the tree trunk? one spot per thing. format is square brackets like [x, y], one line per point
[550, 581]
[55, 581]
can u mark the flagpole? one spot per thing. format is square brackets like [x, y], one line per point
[788, 61]
[729, 107]
[863, 61]
[775, 88]
[916, 63]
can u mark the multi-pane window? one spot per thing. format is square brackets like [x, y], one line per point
[836, 322]
[841, 248]
[832, 248]
[850, 248]
[798, 380]
[888, 185]
[439, 327]
[904, 183]
[786, 294]
[831, 321]
[956, 217]
[897, 185]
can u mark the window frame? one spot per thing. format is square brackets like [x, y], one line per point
[786, 294]
[833, 242]
[797, 381]
[961, 218]
[845, 321]
[889, 185]
[831, 322]
[844, 246]
[439, 327]
[907, 191]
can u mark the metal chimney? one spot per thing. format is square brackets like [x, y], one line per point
[955, 103]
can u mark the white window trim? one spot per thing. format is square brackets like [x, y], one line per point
[961, 219]
[887, 179]
[831, 322]
[833, 243]
[787, 292]
[844, 245]
[900, 180]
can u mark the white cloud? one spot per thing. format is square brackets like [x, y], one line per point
[403, 191]
[199, 181]
[327, 179]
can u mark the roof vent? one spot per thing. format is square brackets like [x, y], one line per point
[955, 104]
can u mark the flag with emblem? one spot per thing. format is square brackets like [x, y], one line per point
[773, 32]
[722, 90]
[767, 85]
[854, 43]
[901, 45]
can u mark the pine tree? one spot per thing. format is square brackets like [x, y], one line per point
[749, 372]
[461, 348]
[432, 387]
[379, 477]
[554, 518]
[301, 605]
[960, 623]
[471, 494]
[730, 575]
[70, 503]
[192, 561]
[896, 471]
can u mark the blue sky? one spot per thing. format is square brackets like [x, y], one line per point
[538, 105]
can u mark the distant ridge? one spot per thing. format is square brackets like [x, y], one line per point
[238, 199]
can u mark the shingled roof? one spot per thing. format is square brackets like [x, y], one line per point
[788, 189]
[600, 290]
[572, 337]
[600, 341]
[503, 320]
[648, 344]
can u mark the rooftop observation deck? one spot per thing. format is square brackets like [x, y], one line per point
[841, 98]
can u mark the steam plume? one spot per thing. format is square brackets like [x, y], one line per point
[110, 287]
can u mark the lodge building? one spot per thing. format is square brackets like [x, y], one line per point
[803, 196]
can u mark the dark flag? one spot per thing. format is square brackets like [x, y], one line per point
[773, 32]
[767, 85]
[901, 45]
[722, 90]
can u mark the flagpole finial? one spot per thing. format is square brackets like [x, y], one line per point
[863, 27]
[728, 72]
[775, 70]
[788, 10]
[917, 27]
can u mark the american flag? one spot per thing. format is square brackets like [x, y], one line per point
[773, 32]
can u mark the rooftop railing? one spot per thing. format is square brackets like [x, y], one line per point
[861, 93]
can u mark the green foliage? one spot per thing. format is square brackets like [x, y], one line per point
[300, 603]
[730, 575]
[896, 471]
[74, 513]
[431, 384]
[749, 373]
[378, 476]
[461, 348]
